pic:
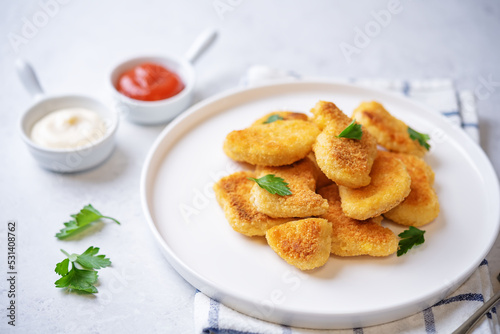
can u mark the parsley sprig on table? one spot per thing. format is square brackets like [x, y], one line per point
[81, 221]
[273, 184]
[273, 118]
[409, 238]
[422, 138]
[81, 279]
[352, 131]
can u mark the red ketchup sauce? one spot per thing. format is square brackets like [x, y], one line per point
[149, 82]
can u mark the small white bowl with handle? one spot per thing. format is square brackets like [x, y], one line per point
[64, 160]
[161, 111]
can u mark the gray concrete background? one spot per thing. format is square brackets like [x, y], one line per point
[73, 50]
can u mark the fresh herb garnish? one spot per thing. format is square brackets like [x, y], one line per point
[273, 184]
[81, 221]
[273, 118]
[81, 279]
[422, 138]
[409, 238]
[352, 131]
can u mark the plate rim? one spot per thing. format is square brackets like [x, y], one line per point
[212, 289]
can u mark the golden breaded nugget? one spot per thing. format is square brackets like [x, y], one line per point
[389, 131]
[347, 162]
[303, 202]
[304, 243]
[274, 144]
[421, 206]
[233, 194]
[390, 185]
[351, 237]
[286, 115]
[325, 112]
[321, 179]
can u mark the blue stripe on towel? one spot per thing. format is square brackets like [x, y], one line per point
[213, 315]
[294, 74]
[483, 263]
[213, 322]
[406, 88]
[470, 125]
[430, 324]
[228, 331]
[475, 297]
[450, 113]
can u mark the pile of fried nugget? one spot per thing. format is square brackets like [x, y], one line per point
[341, 188]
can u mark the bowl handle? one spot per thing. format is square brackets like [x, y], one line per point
[200, 44]
[29, 79]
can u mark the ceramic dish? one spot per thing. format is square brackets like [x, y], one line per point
[157, 112]
[246, 275]
[64, 160]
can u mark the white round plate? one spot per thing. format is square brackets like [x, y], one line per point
[245, 274]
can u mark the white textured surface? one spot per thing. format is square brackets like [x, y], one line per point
[76, 48]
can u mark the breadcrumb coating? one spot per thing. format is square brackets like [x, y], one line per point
[303, 202]
[347, 162]
[279, 143]
[390, 185]
[286, 115]
[305, 243]
[389, 131]
[233, 195]
[321, 179]
[422, 205]
[352, 237]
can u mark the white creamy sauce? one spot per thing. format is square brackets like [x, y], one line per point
[68, 128]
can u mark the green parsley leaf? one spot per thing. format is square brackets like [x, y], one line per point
[62, 267]
[273, 184]
[273, 118]
[89, 214]
[79, 280]
[89, 259]
[82, 280]
[82, 221]
[352, 131]
[71, 228]
[422, 138]
[410, 237]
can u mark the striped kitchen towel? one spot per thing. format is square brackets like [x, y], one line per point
[445, 316]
